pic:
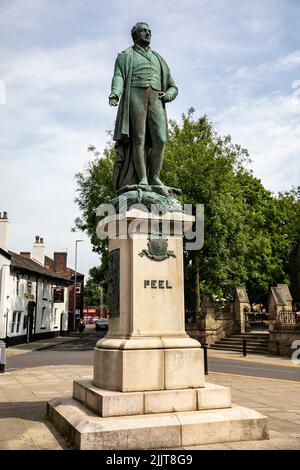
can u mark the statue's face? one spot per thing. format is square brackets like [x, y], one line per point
[143, 35]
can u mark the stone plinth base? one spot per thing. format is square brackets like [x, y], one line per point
[107, 403]
[131, 370]
[87, 431]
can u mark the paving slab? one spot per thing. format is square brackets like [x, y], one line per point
[38, 345]
[25, 412]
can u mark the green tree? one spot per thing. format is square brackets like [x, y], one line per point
[267, 240]
[248, 231]
[204, 166]
[96, 286]
[95, 187]
[289, 202]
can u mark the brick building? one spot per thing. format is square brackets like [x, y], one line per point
[33, 299]
[58, 264]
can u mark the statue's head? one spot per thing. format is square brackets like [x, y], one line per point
[141, 33]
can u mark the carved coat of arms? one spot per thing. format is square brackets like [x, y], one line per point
[157, 249]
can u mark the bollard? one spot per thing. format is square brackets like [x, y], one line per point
[204, 347]
[244, 346]
[2, 356]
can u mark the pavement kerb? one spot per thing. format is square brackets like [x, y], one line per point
[36, 346]
[284, 362]
[284, 429]
[256, 377]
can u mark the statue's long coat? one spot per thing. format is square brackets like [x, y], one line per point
[124, 173]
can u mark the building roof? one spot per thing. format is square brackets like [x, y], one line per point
[68, 272]
[242, 295]
[285, 292]
[281, 294]
[4, 253]
[18, 261]
[278, 297]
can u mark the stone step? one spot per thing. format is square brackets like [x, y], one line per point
[87, 431]
[240, 345]
[255, 343]
[108, 403]
[239, 349]
[233, 345]
[240, 341]
[252, 335]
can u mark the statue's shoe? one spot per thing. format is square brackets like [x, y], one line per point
[156, 182]
[143, 182]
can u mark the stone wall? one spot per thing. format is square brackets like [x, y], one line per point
[281, 340]
[240, 305]
[214, 327]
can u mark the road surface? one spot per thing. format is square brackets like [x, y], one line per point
[81, 352]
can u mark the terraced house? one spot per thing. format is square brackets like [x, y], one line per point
[33, 298]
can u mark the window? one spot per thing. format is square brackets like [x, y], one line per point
[44, 289]
[16, 322]
[18, 284]
[55, 316]
[78, 288]
[14, 319]
[58, 295]
[19, 316]
[43, 319]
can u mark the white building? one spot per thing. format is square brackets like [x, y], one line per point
[33, 299]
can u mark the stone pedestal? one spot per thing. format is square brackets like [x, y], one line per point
[146, 347]
[148, 389]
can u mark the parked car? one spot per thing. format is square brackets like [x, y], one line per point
[101, 324]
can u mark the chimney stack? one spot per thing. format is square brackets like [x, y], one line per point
[4, 231]
[38, 251]
[60, 261]
[25, 254]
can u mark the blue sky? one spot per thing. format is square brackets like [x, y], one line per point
[238, 62]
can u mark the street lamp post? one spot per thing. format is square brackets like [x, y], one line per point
[75, 279]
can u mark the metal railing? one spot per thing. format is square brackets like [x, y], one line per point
[257, 320]
[257, 316]
[288, 317]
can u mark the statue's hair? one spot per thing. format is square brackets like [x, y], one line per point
[136, 27]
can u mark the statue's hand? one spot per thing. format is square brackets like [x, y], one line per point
[164, 96]
[113, 100]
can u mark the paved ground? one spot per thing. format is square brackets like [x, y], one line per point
[26, 348]
[24, 393]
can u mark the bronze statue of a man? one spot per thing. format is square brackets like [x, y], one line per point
[141, 85]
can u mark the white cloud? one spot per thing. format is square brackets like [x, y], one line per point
[57, 61]
[290, 61]
[52, 113]
[269, 127]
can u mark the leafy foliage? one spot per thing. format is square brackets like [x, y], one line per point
[96, 285]
[205, 166]
[94, 187]
[248, 230]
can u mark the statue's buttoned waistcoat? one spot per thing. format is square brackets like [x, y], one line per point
[146, 70]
